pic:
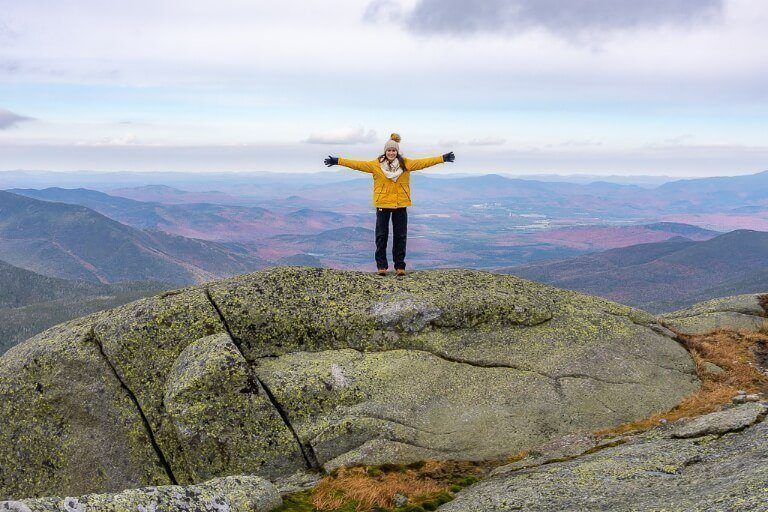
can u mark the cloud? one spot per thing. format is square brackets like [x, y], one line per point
[9, 120]
[356, 135]
[711, 160]
[480, 141]
[575, 143]
[6, 34]
[127, 139]
[569, 18]
[383, 10]
[486, 141]
[674, 141]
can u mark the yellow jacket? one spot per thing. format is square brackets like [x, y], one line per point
[388, 193]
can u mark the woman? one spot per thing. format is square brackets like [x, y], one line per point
[391, 196]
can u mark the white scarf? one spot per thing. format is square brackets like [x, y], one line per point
[391, 171]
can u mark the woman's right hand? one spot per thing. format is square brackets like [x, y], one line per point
[331, 160]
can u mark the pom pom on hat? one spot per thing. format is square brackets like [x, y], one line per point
[393, 142]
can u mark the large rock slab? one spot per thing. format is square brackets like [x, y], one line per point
[446, 364]
[651, 472]
[223, 419]
[208, 416]
[230, 494]
[293, 368]
[729, 420]
[737, 313]
[66, 422]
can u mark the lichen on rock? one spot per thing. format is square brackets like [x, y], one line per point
[736, 313]
[223, 419]
[229, 494]
[66, 422]
[653, 471]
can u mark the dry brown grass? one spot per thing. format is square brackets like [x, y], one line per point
[518, 456]
[371, 488]
[356, 484]
[763, 300]
[736, 353]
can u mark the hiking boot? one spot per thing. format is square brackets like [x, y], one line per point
[382, 271]
[400, 271]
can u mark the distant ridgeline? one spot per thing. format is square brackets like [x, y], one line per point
[663, 276]
[30, 302]
[75, 242]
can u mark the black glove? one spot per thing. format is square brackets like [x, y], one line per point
[449, 157]
[331, 160]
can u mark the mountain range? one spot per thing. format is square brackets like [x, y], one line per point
[205, 220]
[30, 302]
[666, 275]
[75, 242]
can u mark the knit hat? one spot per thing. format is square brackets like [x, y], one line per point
[393, 142]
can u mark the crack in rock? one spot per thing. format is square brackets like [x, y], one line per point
[307, 452]
[153, 441]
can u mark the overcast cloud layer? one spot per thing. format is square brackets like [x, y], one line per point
[676, 87]
[557, 16]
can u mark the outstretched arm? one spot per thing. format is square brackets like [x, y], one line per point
[415, 164]
[358, 165]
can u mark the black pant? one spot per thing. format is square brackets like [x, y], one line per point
[399, 236]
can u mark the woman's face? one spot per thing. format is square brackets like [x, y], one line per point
[391, 153]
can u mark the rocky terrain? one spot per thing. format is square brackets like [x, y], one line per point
[704, 464]
[293, 371]
[236, 493]
[738, 313]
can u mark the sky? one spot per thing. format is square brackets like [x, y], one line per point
[658, 87]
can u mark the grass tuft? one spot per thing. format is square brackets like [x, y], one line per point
[425, 484]
[356, 485]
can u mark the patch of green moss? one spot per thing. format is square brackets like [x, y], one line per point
[467, 481]
[373, 471]
[435, 501]
[297, 502]
[411, 508]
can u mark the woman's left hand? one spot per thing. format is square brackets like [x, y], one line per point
[449, 157]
